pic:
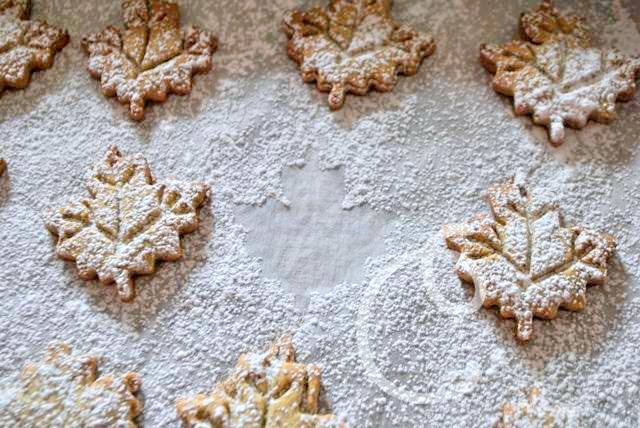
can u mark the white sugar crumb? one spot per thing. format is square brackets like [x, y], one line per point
[423, 154]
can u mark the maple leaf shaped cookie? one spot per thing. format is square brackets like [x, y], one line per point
[151, 58]
[353, 46]
[557, 76]
[64, 390]
[525, 261]
[25, 45]
[265, 390]
[129, 222]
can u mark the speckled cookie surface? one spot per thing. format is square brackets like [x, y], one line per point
[65, 390]
[352, 47]
[269, 389]
[25, 45]
[524, 260]
[128, 222]
[151, 58]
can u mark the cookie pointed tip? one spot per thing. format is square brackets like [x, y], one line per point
[137, 113]
[56, 348]
[557, 132]
[283, 349]
[524, 329]
[133, 382]
[125, 286]
[337, 96]
[112, 155]
[488, 55]
[285, 339]
[450, 232]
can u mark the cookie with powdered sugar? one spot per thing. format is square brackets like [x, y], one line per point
[25, 45]
[265, 389]
[151, 58]
[557, 76]
[524, 260]
[353, 46]
[534, 410]
[64, 391]
[128, 223]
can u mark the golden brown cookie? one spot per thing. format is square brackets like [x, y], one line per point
[533, 411]
[557, 76]
[151, 58]
[25, 45]
[128, 223]
[525, 261]
[353, 46]
[64, 391]
[3, 167]
[265, 390]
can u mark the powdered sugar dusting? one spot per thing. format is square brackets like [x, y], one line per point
[25, 45]
[525, 261]
[557, 76]
[64, 390]
[151, 58]
[353, 46]
[270, 389]
[533, 410]
[424, 153]
[129, 222]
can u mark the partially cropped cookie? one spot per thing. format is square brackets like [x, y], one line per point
[128, 222]
[3, 167]
[25, 45]
[64, 391]
[264, 390]
[524, 260]
[534, 410]
[352, 46]
[151, 58]
[557, 76]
